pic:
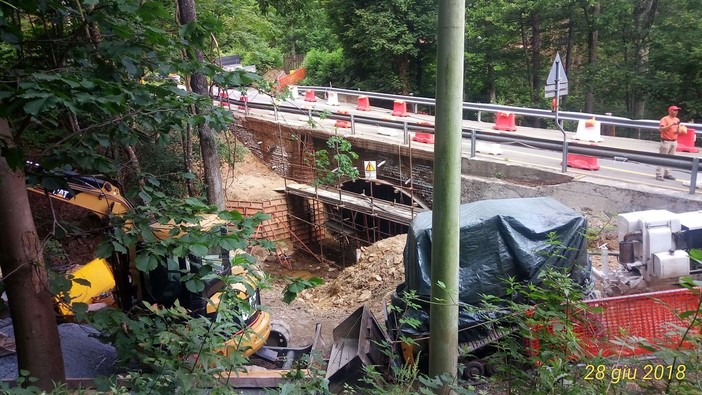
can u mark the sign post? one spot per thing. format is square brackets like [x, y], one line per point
[557, 86]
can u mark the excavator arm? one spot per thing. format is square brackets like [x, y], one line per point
[92, 193]
[103, 198]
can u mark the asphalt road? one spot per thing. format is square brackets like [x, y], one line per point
[610, 169]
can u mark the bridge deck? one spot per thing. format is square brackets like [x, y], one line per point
[380, 208]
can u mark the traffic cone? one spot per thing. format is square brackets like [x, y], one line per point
[505, 121]
[584, 162]
[309, 95]
[363, 103]
[686, 142]
[332, 99]
[588, 130]
[399, 108]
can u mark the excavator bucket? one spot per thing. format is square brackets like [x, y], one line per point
[358, 343]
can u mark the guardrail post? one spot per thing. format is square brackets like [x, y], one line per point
[405, 131]
[479, 114]
[693, 174]
[353, 125]
[473, 142]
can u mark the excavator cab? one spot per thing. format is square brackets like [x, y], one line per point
[164, 286]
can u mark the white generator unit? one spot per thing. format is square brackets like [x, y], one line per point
[652, 243]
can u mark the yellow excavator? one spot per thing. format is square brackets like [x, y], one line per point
[117, 282]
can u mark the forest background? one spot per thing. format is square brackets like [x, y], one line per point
[630, 58]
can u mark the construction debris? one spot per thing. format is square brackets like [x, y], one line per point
[378, 272]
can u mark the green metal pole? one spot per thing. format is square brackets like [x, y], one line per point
[443, 313]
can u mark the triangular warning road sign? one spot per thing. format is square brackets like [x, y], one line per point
[370, 166]
[557, 70]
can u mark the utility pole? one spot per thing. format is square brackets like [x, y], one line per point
[443, 313]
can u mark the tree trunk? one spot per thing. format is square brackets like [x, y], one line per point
[592, 44]
[208, 139]
[187, 158]
[491, 87]
[644, 13]
[26, 280]
[402, 64]
[536, 87]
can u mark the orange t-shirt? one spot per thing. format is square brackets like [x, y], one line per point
[670, 133]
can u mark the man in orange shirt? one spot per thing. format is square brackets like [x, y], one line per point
[670, 129]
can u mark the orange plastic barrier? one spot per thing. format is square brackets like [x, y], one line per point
[363, 103]
[244, 99]
[399, 108]
[291, 79]
[505, 121]
[223, 96]
[686, 142]
[309, 95]
[343, 124]
[583, 162]
[427, 138]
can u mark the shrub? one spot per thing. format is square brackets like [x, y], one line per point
[324, 68]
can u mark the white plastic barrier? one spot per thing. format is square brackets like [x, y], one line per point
[588, 130]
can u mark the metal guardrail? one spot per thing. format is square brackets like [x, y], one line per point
[529, 112]
[651, 158]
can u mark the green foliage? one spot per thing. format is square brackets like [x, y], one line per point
[264, 59]
[324, 68]
[172, 351]
[297, 285]
[164, 163]
[542, 317]
[301, 382]
[342, 158]
[387, 44]
[75, 100]
[246, 30]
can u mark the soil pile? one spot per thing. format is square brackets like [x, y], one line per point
[378, 272]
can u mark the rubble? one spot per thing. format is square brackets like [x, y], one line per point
[378, 272]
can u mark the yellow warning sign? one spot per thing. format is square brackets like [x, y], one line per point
[369, 167]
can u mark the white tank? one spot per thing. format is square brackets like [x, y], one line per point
[671, 265]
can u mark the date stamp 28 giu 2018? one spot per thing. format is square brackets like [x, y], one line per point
[648, 372]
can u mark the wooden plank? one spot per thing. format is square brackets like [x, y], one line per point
[262, 378]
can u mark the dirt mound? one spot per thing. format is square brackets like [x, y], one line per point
[378, 271]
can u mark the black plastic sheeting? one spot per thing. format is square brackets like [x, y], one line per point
[498, 239]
